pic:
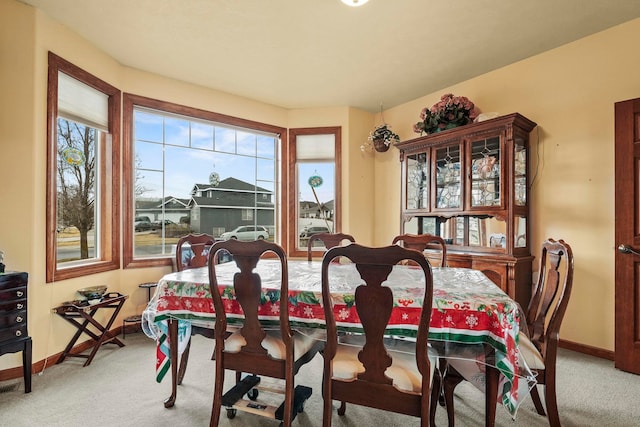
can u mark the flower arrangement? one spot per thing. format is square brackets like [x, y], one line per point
[382, 137]
[449, 112]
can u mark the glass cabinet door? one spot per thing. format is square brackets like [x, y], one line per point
[520, 231]
[447, 174]
[520, 173]
[485, 172]
[417, 182]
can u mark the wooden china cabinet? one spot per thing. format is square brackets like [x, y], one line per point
[470, 186]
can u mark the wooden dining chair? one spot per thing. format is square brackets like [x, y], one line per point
[329, 240]
[425, 242]
[277, 353]
[192, 251]
[543, 320]
[370, 374]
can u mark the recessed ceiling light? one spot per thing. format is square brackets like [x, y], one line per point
[354, 3]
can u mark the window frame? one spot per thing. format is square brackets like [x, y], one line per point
[293, 185]
[109, 187]
[130, 102]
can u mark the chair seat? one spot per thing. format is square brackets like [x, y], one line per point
[274, 345]
[530, 353]
[403, 370]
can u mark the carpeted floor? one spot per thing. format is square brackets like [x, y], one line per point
[119, 389]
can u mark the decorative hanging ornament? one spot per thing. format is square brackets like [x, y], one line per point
[73, 156]
[315, 181]
[214, 179]
[380, 138]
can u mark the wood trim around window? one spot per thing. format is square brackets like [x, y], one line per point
[110, 178]
[290, 183]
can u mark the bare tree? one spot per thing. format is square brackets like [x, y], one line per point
[76, 179]
[139, 189]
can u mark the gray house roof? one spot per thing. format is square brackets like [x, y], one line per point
[168, 202]
[226, 200]
[230, 192]
[229, 184]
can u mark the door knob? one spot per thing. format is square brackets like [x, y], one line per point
[626, 249]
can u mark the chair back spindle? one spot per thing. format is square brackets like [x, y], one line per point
[422, 242]
[551, 293]
[192, 251]
[330, 240]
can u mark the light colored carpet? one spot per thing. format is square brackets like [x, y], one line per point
[119, 389]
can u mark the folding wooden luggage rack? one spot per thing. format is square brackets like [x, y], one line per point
[81, 314]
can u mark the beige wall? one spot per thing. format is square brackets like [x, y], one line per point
[569, 92]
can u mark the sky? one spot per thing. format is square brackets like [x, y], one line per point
[193, 150]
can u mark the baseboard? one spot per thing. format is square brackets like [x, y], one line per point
[587, 349]
[37, 367]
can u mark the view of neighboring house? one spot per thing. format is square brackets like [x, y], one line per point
[312, 215]
[170, 208]
[312, 210]
[216, 208]
[219, 207]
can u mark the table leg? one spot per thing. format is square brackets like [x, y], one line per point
[173, 360]
[491, 400]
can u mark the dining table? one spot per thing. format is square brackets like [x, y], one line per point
[471, 317]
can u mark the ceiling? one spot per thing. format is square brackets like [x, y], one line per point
[321, 53]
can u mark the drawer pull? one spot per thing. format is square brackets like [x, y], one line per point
[18, 333]
[19, 293]
[19, 305]
[19, 319]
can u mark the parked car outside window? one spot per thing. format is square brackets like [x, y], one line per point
[142, 226]
[308, 232]
[246, 232]
[157, 225]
